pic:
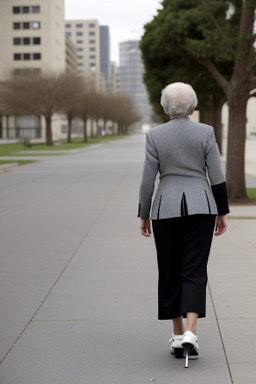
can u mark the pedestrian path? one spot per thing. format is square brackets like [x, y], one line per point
[78, 287]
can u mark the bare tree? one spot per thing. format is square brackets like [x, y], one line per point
[86, 105]
[32, 94]
[71, 91]
[124, 113]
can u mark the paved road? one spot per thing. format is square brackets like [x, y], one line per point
[78, 287]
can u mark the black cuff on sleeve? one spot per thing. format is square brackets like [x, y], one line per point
[221, 198]
[139, 208]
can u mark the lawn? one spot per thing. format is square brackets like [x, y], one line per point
[251, 192]
[11, 149]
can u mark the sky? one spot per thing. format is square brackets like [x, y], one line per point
[125, 18]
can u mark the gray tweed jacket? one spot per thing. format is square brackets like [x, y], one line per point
[191, 180]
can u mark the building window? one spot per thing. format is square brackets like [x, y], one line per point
[79, 25]
[16, 25]
[68, 25]
[80, 49]
[36, 40]
[79, 33]
[92, 33]
[36, 9]
[92, 41]
[80, 64]
[93, 65]
[37, 56]
[80, 57]
[92, 49]
[26, 41]
[68, 33]
[16, 10]
[92, 57]
[26, 25]
[17, 56]
[91, 25]
[35, 25]
[26, 56]
[25, 9]
[16, 41]
[79, 41]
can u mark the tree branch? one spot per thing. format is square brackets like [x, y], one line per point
[230, 47]
[223, 83]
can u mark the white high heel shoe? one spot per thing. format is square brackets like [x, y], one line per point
[190, 345]
[176, 347]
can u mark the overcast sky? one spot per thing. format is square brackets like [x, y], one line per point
[125, 18]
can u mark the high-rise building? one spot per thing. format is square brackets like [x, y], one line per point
[32, 36]
[32, 40]
[85, 34]
[131, 78]
[105, 65]
[71, 56]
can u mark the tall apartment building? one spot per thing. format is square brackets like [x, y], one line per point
[131, 78]
[105, 64]
[32, 40]
[71, 56]
[85, 34]
[32, 36]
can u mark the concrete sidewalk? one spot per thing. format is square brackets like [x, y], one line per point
[78, 287]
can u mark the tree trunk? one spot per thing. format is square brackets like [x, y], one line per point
[105, 126]
[92, 128]
[235, 172]
[69, 129]
[7, 127]
[48, 121]
[85, 130]
[217, 105]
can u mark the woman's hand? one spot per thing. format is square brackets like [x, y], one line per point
[221, 225]
[145, 227]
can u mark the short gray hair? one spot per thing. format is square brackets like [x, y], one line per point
[178, 99]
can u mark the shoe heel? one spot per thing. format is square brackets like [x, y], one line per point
[187, 349]
[179, 353]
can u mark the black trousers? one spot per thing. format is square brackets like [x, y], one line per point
[183, 246]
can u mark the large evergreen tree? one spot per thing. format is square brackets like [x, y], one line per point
[219, 36]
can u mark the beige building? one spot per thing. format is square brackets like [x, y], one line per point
[32, 39]
[71, 56]
[32, 36]
[85, 34]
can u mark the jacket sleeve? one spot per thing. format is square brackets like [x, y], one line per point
[151, 167]
[215, 174]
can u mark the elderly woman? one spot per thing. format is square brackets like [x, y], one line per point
[190, 203]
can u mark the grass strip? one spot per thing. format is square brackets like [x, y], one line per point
[20, 162]
[251, 193]
[10, 149]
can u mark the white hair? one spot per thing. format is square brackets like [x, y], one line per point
[178, 99]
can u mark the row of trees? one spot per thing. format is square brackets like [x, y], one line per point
[47, 94]
[209, 44]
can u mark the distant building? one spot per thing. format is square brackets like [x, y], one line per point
[71, 56]
[131, 78]
[105, 64]
[113, 84]
[85, 34]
